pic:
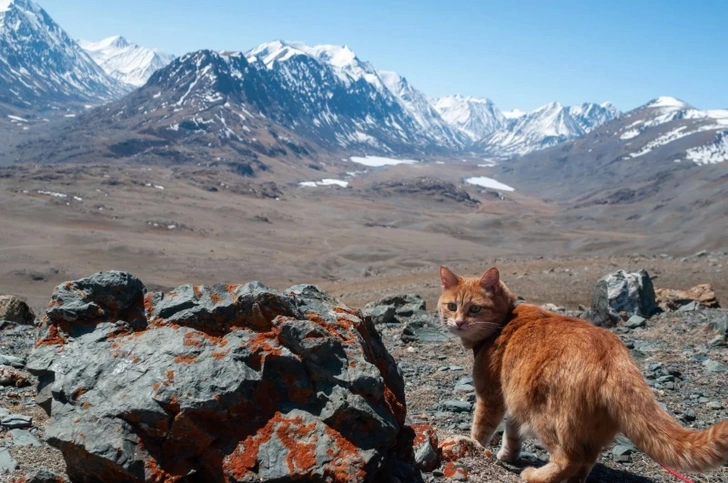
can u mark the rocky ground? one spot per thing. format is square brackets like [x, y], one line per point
[682, 354]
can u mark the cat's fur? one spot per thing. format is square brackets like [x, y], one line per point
[562, 379]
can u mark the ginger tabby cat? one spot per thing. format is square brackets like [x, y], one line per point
[563, 380]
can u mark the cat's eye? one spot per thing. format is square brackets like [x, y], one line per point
[474, 309]
[452, 307]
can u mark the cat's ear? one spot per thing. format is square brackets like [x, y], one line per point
[448, 279]
[490, 280]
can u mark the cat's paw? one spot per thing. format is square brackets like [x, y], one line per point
[528, 474]
[508, 455]
[482, 439]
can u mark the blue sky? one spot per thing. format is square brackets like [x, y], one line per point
[521, 54]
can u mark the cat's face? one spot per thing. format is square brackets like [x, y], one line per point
[471, 308]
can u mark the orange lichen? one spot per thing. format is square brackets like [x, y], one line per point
[170, 375]
[86, 405]
[78, 392]
[197, 290]
[54, 336]
[451, 471]
[154, 473]
[184, 359]
[346, 462]
[215, 297]
[219, 354]
[423, 432]
[156, 386]
[194, 339]
[148, 305]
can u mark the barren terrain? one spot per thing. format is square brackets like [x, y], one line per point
[388, 232]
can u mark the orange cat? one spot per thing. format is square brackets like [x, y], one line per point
[561, 379]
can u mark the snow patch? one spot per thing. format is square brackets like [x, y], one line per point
[53, 193]
[713, 153]
[324, 182]
[667, 101]
[377, 161]
[486, 182]
[632, 133]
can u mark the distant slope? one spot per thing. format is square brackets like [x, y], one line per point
[127, 62]
[41, 67]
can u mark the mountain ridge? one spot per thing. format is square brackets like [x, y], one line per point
[125, 61]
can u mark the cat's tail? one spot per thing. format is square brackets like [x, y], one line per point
[655, 432]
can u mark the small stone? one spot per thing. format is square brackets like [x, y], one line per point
[20, 437]
[8, 360]
[715, 367]
[689, 416]
[635, 321]
[718, 341]
[44, 475]
[7, 463]
[691, 307]
[457, 406]
[464, 388]
[621, 450]
[17, 421]
[381, 314]
[715, 405]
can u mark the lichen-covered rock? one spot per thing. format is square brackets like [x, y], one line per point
[671, 299]
[622, 294]
[223, 383]
[13, 309]
[457, 447]
[425, 447]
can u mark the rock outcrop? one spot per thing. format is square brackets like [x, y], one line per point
[671, 299]
[233, 383]
[620, 295]
[13, 309]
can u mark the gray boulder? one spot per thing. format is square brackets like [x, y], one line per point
[404, 305]
[233, 383]
[13, 309]
[621, 292]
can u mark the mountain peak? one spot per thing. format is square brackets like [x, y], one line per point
[48, 67]
[280, 50]
[476, 117]
[667, 101]
[117, 41]
[6, 5]
[125, 61]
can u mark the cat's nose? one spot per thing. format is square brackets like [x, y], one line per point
[459, 323]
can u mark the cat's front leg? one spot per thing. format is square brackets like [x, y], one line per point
[511, 445]
[488, 415]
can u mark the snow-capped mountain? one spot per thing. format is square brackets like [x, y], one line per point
[545, 127]
[650, 151]
[41, 66]
[419, 107]
[125, 61]
[327, 92]
[477, 117]
[196, 109]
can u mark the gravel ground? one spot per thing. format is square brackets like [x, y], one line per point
[689, 374]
